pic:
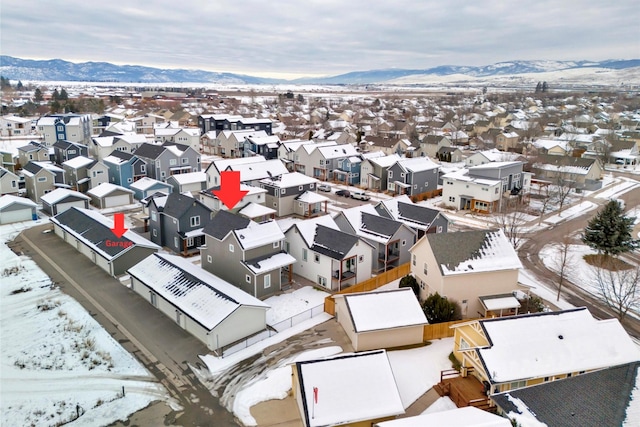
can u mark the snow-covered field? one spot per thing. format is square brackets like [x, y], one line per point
[56, 360]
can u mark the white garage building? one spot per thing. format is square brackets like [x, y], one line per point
[16, 209]
[107, 195]
[61, 199]
[214, 311]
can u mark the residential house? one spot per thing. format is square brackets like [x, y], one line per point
[125, 168]
[466, 266]
[385, 144]
[254, 195]
[9, 182]
[450, 155]
[509, 353]
[330, 162]
[327, 256]
[553, 147]
[11, 126]
[374, 172]
[507, 141]
[189, 137]
[576, 172]
[413, 176]
[492, 155]
[16, 209]
[145, 187]
[168, 159]
[41, 178]
[217, 122]
[67, 150]
[107, 195]
[244, 253]
[108, 142]
[302, 161]
[391, 239]
[90, 233]
[604, 397]
[8, 161]
[421, 219]
[321, 387]
[230, 143]
[33, 152]
[69, 127]
[431, 144]
[62, 199]
[192, 182]
[266, 146]
[178, 222]
[284, 192]
[83, 173]
[212, 310]
[287, 151]
[252, 169]
[381, 319]
[624, 152]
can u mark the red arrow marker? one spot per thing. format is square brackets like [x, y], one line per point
[118, 225]
[229, 192]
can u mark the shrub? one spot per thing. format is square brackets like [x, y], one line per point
[439, 309]
[409, 281]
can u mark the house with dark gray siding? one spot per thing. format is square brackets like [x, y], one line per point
[168, 159]
[284, 190]
[67, 150]
[421, 219]
[413, 176]
[177, 223]
[246, 254]
[89, 232]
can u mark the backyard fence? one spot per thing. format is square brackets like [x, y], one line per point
[368, 285]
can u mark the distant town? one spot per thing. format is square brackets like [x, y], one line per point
[319, 255]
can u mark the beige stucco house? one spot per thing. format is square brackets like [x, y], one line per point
[467, 266]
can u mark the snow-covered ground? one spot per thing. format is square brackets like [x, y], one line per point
[56, 360]
[290, 304]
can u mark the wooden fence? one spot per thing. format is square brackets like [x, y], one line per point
[440, 330]
[368, 285]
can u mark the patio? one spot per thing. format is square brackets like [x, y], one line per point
[463, 391]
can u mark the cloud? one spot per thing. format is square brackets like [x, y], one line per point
[318, 37]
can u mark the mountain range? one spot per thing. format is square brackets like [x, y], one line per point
[60, 70]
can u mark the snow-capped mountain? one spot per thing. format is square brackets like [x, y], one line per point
[60, 70]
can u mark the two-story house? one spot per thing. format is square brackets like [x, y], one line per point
[374, 171]
[432, 143]
[125, 168]
[33, 152]
[421, 219]
[177, 223]
[178, 135]
[69, 127]
[266, 146]
[330, 162]
[285, 191]
[230, 143]
[67, 150]
[327, 256]
[254, 195]
[9, 182]
[413, 176]
[575, 172]
[391, 239]
[11, 125]
[41, 178]
[168, 159]
[252, 169]
[83, 173]
[244, 253]
[108, 142]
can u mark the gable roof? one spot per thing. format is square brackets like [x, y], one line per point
[178, 204]
[60, 194]
[366, 223]
[606, 397]
[223, 223]
[332, 242]
[202, 296]
[553, 343]
[10, 199]
[565, 164]
[374, 311]
[146, 183]
[472, 251]
[79, 162]
[468, 416]
[33, 168]
[106, 188]
[150, 151]
[401, 208]
[94, 229]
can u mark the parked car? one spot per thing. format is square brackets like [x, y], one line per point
[360, 195]
[344, 193]
[324, 187]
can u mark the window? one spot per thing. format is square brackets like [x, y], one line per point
[267, 281]
[173, 162]
[322, 281]
[286, 247]
[154, 216]
[413, 261]
[316, 258]
[404, 243]
[176, 243]
[518, 384]
[424, 269]
[194, 221]
[390, 174]
[231, 248]
[300, 188]
[464, 345]
[209, 259]
[304, 254]
[42, 179]
[190, 242]
[14, 184]
[247, 278]
[185, 160]
[71, 151]
[143, 168]
[361, 258]
[321, 162]
[452, 199]
[276, 244]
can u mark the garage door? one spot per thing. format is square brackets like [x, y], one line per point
[116, 201]
[61, 207]
[8, 217]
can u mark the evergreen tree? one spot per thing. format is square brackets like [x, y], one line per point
[5, 83]
[439, 309]
[38, 95]
[545, 86]
[609, 232]
[539, 87]
[409, 281]
[64, 96]
[19, 86]
[55, 95]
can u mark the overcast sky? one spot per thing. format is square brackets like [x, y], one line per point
[290, 38]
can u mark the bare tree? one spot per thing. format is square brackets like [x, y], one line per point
[545, 195]
[564, 183]
[511, 221]
[564, 262]
[619, 289]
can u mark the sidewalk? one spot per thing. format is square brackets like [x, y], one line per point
[420, 405]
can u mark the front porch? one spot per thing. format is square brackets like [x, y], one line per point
[390, 257]
[344, 273]
[310, 204]
[463, 390]
[191, 242]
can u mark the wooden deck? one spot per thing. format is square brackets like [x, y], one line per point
[463, 391]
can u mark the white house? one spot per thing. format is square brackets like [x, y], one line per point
[214, 311]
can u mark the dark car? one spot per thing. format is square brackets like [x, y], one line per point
[344, 193]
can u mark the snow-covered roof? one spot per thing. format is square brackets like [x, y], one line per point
[373, 155]
[189, 177]
[145, 183]
[385, 161]
[289, 179]
[278, 260]
[61, 193]
[205, 298]
[107, 188]
[307, 228]
[78, 162]
[373, 311]
[349, 388]
[541, 345]
[309, 148]
[548, 144]
[468, 416]
[10, 199]
[418, 164]
[338, 151]
[223, 164]
[259, 170]
[494, 165]
[255, 234]
[380, 229]
[311, 197]
[463, 175]
[254, 210]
